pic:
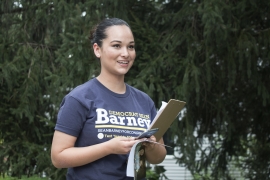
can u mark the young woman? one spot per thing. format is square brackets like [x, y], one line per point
[99, 119]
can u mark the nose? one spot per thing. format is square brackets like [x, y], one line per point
[124, 52]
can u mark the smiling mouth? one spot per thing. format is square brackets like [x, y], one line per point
[123, 62]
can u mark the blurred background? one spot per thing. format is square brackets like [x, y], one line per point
[213, 54]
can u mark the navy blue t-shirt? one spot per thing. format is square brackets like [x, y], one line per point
[94, 114]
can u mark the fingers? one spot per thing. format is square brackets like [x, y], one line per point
[148, 144]
[122, 138]
[122, 145]
[153, 138]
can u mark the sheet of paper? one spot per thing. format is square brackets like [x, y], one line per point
[131, 161]
[163, 105]
[130, 164]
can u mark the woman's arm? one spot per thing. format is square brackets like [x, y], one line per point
[155, 153]
[64, 154]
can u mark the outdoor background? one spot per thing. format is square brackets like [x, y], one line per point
[213, 54]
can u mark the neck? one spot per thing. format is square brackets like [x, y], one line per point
[114, 83]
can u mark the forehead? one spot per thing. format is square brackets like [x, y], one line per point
[119, 32]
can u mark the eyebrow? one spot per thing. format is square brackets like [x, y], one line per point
[120, 41]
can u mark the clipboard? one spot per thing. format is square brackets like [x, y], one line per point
[165, 118]
[166, 115]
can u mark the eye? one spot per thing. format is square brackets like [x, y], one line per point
[131, 47]
[116, 45]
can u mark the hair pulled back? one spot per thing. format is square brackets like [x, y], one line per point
[98, 32]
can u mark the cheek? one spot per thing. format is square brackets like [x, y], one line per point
[111, 54]
[107, 54]
[133, 55]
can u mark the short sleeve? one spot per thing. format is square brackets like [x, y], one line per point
[71, 116]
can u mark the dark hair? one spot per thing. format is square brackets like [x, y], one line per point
[98, 32]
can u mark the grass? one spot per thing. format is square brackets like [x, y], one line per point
[23, 178]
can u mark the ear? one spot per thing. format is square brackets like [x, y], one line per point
[96, 50]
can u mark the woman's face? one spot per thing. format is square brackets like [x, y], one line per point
[117, 53]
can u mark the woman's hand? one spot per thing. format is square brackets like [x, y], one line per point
[121, 145]
[148, 145]
[155, 153]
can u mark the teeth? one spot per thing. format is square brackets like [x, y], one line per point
[123, 62]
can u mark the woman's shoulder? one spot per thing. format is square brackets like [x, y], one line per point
[139, 93]
[84, 92]
[83, 88]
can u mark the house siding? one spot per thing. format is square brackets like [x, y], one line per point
[173, 170]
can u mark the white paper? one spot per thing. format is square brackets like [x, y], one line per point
[130, 164]
[163, 105]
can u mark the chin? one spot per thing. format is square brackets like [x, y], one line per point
[123, 72]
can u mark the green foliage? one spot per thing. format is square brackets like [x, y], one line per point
[23, 178]
[151, 175]
[156, 173]
[213, 54]
[225, 85]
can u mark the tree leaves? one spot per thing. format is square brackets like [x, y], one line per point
[212, 54]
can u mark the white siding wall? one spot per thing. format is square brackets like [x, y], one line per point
[176, 172]
[173, 170]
